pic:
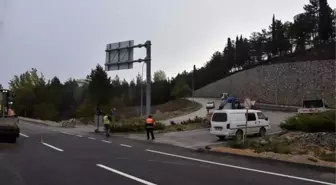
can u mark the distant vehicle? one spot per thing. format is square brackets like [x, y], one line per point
[231, 123]
[9, 129]
[210, 105]
[312, 106]
[230, 103]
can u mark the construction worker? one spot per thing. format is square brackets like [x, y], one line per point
[11, 112]
[107, 124]
[150, 127]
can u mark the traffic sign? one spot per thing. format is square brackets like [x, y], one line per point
[247, 103]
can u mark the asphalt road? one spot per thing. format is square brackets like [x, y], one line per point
[45, 156]
[275, 117]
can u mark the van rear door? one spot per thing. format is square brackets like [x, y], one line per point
[218, 121]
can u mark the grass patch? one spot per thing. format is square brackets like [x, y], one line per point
[182, 127]
[176, 108]
[264, 146]
[239, 144]
[276, 147]
[320, 122]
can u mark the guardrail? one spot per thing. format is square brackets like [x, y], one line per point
[282, 108]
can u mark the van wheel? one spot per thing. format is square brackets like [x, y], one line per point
[239, 135]
[222, 138]
[262, 132]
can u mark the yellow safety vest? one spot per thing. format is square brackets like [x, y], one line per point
[106, 120]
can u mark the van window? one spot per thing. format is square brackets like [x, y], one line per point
[220, 117]
[251, 117]
[261, 115]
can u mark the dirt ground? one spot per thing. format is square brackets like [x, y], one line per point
[164, 111]
[306, 159]
[300, 147]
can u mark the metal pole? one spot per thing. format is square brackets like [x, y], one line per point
[141, 90]
[148, 74]
[193, 83]
[244, 135]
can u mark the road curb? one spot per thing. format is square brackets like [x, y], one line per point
[274, 161]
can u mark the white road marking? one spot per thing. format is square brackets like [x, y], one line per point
[125, 175]
[241, 168]
[125, 145]
[53, 147]
[79, 135]
[24, 135]
[92, 138]
[106, 141]
[66, 133]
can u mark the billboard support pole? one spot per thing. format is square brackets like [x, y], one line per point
[114, 61]
[148, 75]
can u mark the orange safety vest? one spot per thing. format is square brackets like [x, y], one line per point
[149, 121]
[11, 112]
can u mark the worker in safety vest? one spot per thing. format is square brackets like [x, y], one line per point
[11, 112]
[107, 124]
[150, 127]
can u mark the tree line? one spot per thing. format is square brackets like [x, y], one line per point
[52, 100]
[310, 36]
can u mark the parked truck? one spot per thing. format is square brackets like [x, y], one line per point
[312, 106]
[9, 129]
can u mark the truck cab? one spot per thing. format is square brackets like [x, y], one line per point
[9, 129]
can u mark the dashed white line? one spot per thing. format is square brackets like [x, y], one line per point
[66, 133]
[125, 175]
[241, 168]
[92, 138]
[106, 141]
[53, 147]
[24, 135]
[79, 135]
[129, 146]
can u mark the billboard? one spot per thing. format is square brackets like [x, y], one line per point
[119, 55]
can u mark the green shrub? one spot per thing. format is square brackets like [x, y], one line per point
[239, 144]
[320, 122]
[273, 146]
[134, 125]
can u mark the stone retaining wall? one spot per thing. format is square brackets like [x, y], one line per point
[284, 83]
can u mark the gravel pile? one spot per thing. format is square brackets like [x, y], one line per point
[71, 123]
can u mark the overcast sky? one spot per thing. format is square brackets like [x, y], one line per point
[67, 38]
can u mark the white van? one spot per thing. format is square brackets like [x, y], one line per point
[227, 123]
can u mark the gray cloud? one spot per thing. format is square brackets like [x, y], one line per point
[67, 38]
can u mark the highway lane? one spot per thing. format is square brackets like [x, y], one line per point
[90, 161]
[31, 163]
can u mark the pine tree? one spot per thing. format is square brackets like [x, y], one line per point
[325, 22]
